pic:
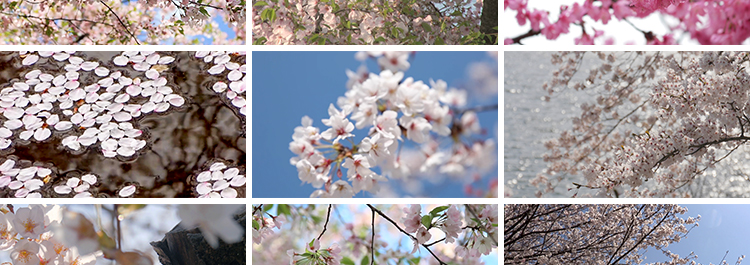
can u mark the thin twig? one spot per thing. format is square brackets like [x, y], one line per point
[468, 208]
[405, 233]
[119, 234]
[433, 243]
[372, 240]
[56, 19]
[325, 226]
[121, 23]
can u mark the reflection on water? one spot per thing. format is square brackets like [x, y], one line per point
[180, 142]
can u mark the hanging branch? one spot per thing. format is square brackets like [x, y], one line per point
[405, 233]
[325, 226]
[121, 23]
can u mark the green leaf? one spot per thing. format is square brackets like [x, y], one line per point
[347, 261]
[365, 260]
[203, 11]
[437, 210]
[322, 41]
[415, 261]
[260, 41]
[13, 5]
[426, 27]
[312, 38]
[272, 16]
[256, 225]
[267, 207]
[379, 39]
[283, 209]
[427, 220]
[260, 3]
[439, 41]
[311, 242]
[495, 225]
[456, 13]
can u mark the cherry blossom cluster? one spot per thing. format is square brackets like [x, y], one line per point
[581, 233]
[372, 22]
[118, 22]
[448, 219]
[394, 109]
[465, 235]
[658, 127]
[706, 21]
[45, 235]
[236, 77]
[262, 226]
[218, 181]
[89, 113]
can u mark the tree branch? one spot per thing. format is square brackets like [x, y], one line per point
[325, 226]
[59, 18]
[372, 240]
[121, 23]
[405, 233]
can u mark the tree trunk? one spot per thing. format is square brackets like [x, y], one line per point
[489, 21]
[188, 247]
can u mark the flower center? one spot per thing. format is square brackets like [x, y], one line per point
[24, 256]
[29, 225]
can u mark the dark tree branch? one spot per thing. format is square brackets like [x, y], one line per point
[372, 239]
[325, 226]
[405, 233]
[58, 19]
[121, 22]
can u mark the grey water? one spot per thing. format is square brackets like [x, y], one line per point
[530, 121]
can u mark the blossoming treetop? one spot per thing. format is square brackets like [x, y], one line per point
[120, 22]
[706, 21]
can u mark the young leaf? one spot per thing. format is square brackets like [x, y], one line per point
[365, 260]
[427, 221]
[260, 3]
[204, 12]
[256, 225]
[437, 210]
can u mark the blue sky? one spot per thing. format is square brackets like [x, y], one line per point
[341, 213]
[289, 85]
[722, 228]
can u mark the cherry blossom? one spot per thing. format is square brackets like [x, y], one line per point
[375, 22]
[655, 132]
[353, 241]
[617, 233]
[397, 112]
[114, 22]
[705, 21]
